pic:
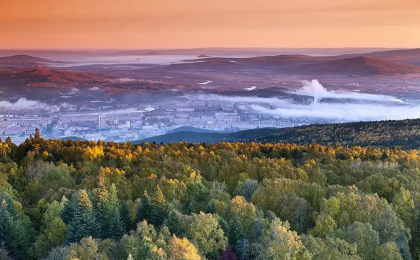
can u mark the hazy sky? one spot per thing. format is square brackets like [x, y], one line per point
[208, 23]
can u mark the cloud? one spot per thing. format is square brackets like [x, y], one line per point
[345, 112]
[94, 89]
[22, 103]
[315, 89]
[345, 106]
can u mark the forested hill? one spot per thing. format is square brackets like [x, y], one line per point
[401, 133]
[67, 200]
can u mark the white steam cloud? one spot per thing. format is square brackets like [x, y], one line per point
[315, 89]
[21, 104]
[345, 112]
[382, 107]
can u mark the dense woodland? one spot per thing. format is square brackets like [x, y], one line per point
[97, 200]
[401, 133]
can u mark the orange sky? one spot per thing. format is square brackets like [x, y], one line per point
[128, 24]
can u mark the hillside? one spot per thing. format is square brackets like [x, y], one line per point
[361, 65]
[22, 60]
[404, 134]
[64, 199]
[409, 56]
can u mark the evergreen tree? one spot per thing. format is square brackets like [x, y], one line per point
[403, 248]
[209, 208]
[242, 249]
[191, 208]
[102, 211]
[175, 226]
[224, 225]
[6, 222]
[83, 222]
[126, 216]
[257, 229]
[143, 210]
[158, 212]
[117, 227]
[235, 231]
[68, 211]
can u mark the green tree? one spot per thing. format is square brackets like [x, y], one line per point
[235, 231]
[117, 227]
[387, 251]
[143, 211]
[83, 222]
[205, 231]
[175, 225]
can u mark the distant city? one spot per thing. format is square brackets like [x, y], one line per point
[111, 121]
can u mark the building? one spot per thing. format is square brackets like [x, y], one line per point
[102, 122]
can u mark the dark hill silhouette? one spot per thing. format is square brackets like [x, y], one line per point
[400, 133]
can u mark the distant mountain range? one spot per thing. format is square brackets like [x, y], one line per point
[400, 133]
[24, 72]
[391, 63]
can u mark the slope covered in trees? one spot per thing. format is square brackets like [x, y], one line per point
[96, 200]
[401, 133]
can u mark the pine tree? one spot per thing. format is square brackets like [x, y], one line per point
[191, 208]
[209, 208]
[175, 226]
[403, 247]
[224, 225]
[126, 216]
[83, 222]
[235, 231]
[257, 229]
[117, 227]
[68, 211]
[102, 212]
[6, 232]
[143, 210]
[158, 212]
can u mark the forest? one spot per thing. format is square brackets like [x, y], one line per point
[229, 200]
[392, 133]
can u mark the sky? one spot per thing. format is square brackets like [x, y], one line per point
[137, 24]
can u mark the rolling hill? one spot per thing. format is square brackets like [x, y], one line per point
[22, 61]
[400, 133]
[361, 65]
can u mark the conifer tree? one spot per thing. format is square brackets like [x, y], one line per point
[83, 222]
[158, 212]
[175, 226]
[6, 231]
[224, 225]
[126, 216]
[117, 227]
[143, 210]
[102, 212]
[235, 231]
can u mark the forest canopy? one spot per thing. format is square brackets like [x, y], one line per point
[98, 200]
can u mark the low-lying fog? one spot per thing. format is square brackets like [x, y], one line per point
[345, 106]
[320, 103]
